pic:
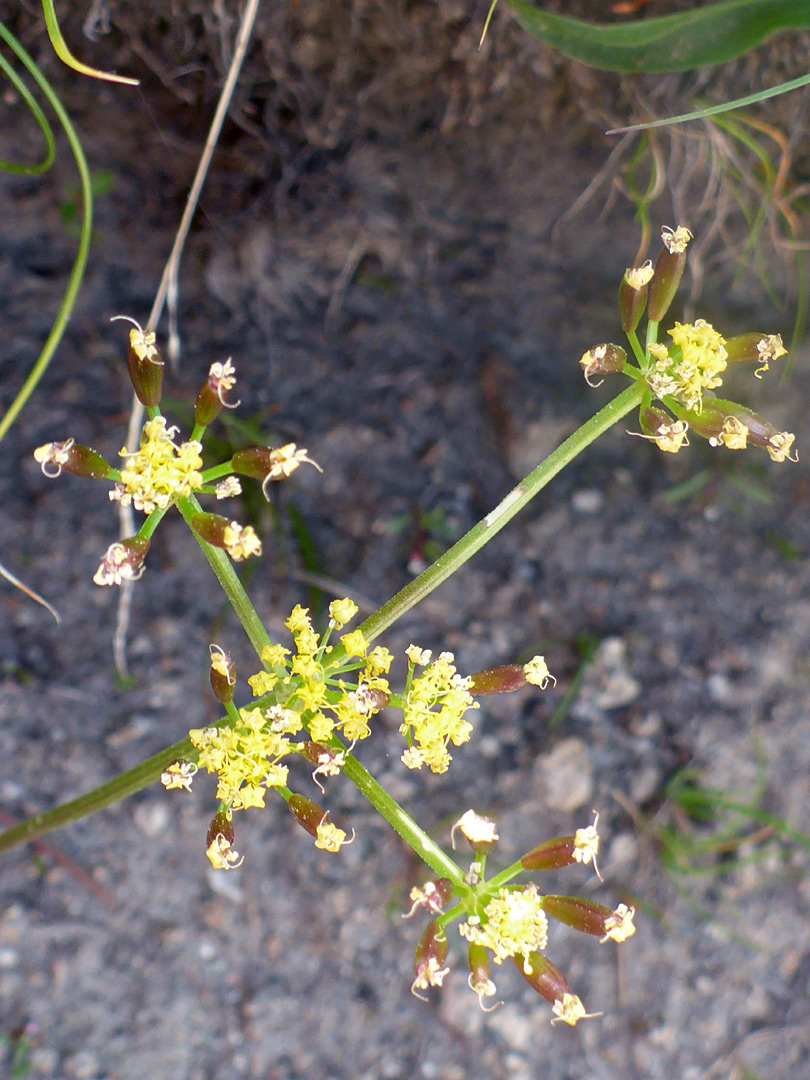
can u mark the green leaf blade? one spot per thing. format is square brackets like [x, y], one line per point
[711, 34]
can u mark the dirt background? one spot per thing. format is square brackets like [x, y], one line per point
[384, 249]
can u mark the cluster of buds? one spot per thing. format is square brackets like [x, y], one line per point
[511, 922]
[164, 471]
[682, 375]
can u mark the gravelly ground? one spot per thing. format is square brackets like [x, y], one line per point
[429, 378]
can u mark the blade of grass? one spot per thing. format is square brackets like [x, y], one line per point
[716, 110]
[80, 262]
[67, 57]
[40, 117]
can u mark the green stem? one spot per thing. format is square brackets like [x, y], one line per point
[127, 783]
[228, 579]
[480, 534]
[635, 345]
[402, 823]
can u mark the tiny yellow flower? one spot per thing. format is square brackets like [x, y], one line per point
[477, 830]
[222, 855]
[619, 925]
[639, 276]
[241, 541]
[570, 1010]
[378, 661]
[299, 620]
[52, 456]
[342, 612]
[262, 682]
[675, 240]
[228, 488]
[536, 672]
[780, 445]
[285, 460]
[672, 437]
[586, 845]
[178, 775]
[330, 837]
[123, 561]
[769, 348]
[222, 378]
[431, 973]
[354, 643]
[733, 434]
[417, 656]
[274, 655]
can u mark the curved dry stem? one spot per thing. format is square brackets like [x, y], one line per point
[168, 285]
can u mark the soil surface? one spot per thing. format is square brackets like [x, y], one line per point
[386, 249]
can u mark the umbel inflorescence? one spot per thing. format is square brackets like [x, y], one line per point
[165, 471]
[319, 695]
[312, 697]
[680, 376]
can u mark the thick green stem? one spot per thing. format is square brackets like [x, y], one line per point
[480, 534]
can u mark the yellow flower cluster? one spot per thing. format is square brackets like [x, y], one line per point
[302, 680]
[247, 758]
[160, 471]
[433, 706]
[514, 924]
[694, 363]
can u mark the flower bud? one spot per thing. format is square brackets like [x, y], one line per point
[668, 272]
[549, 982]
[265, 464]
[542, 976]
[219, 843]
[316, 821]
[667, 433]
[582, 847]
[145, 364]
[123, 561]
[306, 812]
[223, 674]
[603, 359]
[431, 952]
[757, 348]
[478, 980]
[497, 680]
[552, 855]
[73, 458]
[633, 295]
[211, 397]
[727, 423]
[591, 918]
[433, 895]
[239, 541]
